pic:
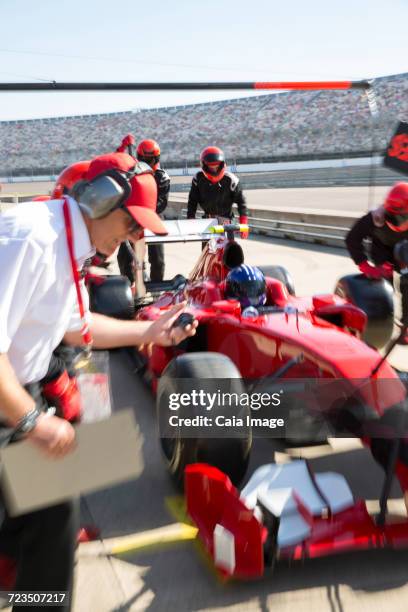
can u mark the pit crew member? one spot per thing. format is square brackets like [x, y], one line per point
[43, 246]
[384, 228]
[147, 151]
[215, 189]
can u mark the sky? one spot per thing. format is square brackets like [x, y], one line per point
[189, 40]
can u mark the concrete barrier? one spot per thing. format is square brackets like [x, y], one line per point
[12, 198]
[15, 198]
[304, 225]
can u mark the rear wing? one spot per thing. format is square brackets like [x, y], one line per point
[194, 230]
[184, 230]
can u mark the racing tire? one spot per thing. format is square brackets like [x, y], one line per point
[375, 298]
[231, 455]
[281, 274]
[111, 296]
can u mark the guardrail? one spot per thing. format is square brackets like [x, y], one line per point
[10, 199]
[302, 225]
[318, 233]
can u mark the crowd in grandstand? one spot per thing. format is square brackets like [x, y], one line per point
[264, 127]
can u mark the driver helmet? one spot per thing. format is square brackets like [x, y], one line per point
[396, 208]
[247, 285]
[212, 162]
[148, 151]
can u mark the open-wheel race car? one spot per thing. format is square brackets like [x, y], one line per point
[289, 338]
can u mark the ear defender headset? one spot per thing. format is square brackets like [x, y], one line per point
[107, 191]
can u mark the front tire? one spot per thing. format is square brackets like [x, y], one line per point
[231, 455]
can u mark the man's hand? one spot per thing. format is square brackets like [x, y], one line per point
[127, 141]
[376, 272]
[163, 333]
[112, 333]
[53, 436]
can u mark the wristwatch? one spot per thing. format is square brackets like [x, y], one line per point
[28, 422]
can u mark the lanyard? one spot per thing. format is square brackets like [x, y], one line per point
[85, 332]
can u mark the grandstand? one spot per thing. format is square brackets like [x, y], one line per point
[273, 127]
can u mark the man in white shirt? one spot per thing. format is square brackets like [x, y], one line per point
[39, 308]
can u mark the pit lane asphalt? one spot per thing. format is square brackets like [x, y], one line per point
[177, 577]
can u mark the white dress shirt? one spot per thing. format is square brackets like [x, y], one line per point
[38, 302]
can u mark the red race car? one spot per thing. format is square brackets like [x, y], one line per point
[287, 341]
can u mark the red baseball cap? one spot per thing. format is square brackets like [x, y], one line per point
[142, 201]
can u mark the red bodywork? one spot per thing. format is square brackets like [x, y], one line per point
[326, 330]
[260, 346]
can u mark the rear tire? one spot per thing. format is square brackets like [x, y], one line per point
[281, 274]
[375, 298]
[111, 296]
[231, 455]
